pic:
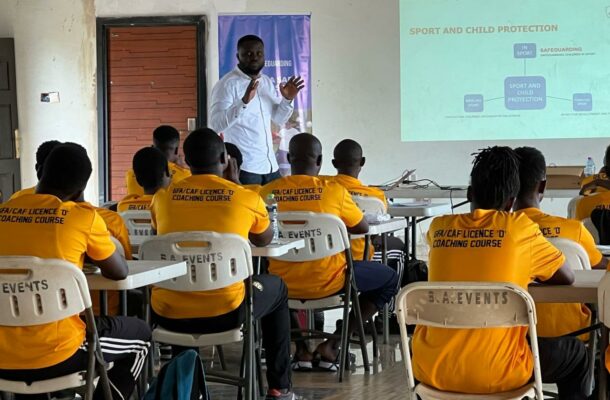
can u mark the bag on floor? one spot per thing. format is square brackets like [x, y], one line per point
[183, 378]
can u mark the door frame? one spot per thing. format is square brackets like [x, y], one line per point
[102, 25]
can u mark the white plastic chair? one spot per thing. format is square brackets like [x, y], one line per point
[572, 206]
[139, 225]
[211, 273]
[576, 256]
[414, 308]
[592, 229]
[66, 295]
[331, 238]
[370, 205]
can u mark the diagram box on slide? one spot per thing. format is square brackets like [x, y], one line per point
[524, 50]
[473, 103]
[582, 102]
[525, 93]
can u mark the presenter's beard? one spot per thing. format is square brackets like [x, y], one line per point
[251, 71]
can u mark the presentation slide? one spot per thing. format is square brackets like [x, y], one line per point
[491, 70]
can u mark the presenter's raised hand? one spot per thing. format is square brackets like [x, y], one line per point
[250, 91]
[291, 88]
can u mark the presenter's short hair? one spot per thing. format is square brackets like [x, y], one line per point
[248, 38]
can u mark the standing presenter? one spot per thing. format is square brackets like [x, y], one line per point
[244, 102]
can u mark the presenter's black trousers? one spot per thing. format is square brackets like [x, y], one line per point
[270, 304]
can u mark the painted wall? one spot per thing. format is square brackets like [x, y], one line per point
[355, 46]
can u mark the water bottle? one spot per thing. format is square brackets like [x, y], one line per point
[589, 167]
[272, 210]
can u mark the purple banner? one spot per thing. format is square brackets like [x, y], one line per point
[287, 53]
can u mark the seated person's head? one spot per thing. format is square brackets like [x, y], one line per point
[167, 139]
[204, 152]
[41, 155]
[532, 175]
[233, 152]
[66, 172]
[494, 180]
[305, 154]
[348, 159]
[151, 169]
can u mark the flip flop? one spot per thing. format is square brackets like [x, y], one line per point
[325, 364]
[300, 365]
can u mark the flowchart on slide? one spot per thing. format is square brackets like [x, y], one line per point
[526, 92]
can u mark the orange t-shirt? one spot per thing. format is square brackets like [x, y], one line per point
[586, 205]
[320, 278]
[486, 246]
[30, 190]
[561, 319]
[43, 226]
[356, 188]
[135, 202]
[205, 203]
[176, 171]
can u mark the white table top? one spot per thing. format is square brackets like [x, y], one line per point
[583, 290]
[459, 192]
[604, 249]
[278, 249]
[141, 273]
[391, 225]
[419, 210]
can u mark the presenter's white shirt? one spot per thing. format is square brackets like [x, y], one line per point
[248, 126]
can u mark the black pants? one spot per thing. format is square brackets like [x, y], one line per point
[564, 361]
[124, 341]
[270, 303]
[250, 178]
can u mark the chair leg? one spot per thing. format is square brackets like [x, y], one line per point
[259, 372]
[221, 358]
[374, 335]
[359, 322]
[345, 333]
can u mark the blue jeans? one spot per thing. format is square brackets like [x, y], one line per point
[376, 282]
[249, 178]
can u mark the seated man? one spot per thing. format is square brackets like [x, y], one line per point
[152, 173]
[317, 279]
[237, 211]
[41, 155]
[74, 231]
[598, 182]
[498, 359]
[167, 139]
[553, 319]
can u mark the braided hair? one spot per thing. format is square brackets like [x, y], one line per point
[494, 178]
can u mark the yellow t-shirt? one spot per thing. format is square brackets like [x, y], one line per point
[587, 204]
[357, 188]
[593, 178]
[135, 202]
[43, 226]
[21, 192]
[320, 278]
[254, 187]
[487, 246]
[205, 203]
[176, 171]
[560, 319]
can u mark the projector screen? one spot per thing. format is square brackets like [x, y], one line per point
[518, 69]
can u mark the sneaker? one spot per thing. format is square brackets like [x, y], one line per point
[274, 394]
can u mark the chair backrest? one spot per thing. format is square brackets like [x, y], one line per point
[603, 299]
[576, 256]
[138, 223]
[216, 260]
[325, 235]
[466, 305]
[591, 228]
[370, 205]
[572, 206]
[37, 291]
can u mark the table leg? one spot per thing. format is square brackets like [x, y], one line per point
[603, 374]
[386, 309]
[103, 303]
[413, 236]
[123, 302]
[407, 235]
